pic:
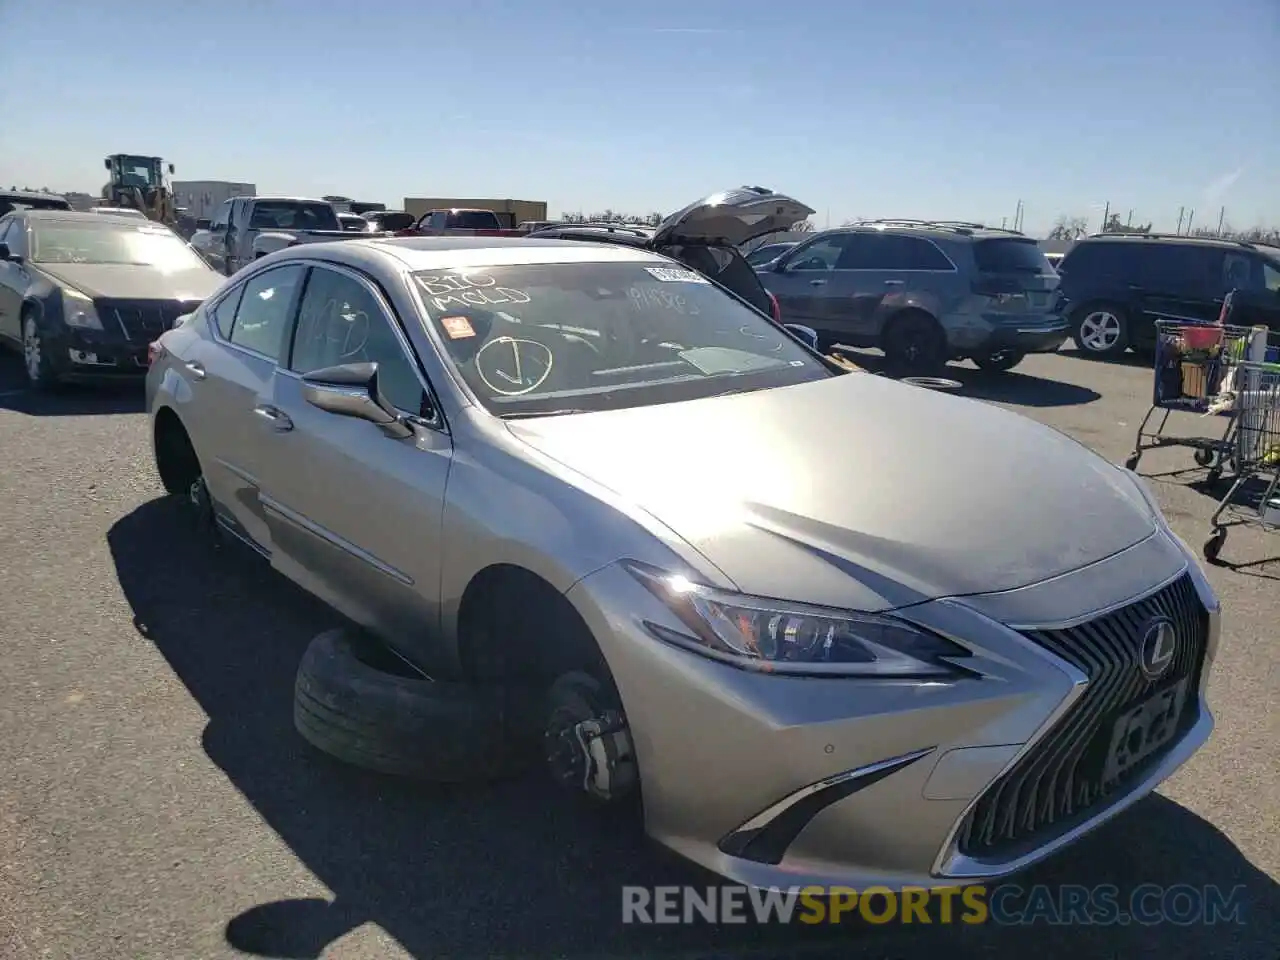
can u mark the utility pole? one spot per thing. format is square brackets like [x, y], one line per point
[1190, 219]
[1182, 212]
[1129, 221]
[1222, 215]
[1106, 217]
[1004, 222]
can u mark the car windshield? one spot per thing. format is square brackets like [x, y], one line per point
[541, 339]
[1010, 256]
[65, 241]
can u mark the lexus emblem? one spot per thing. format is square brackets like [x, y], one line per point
[1159, 643]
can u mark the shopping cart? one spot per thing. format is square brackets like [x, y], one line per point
[1194, 373]
[1257, 453]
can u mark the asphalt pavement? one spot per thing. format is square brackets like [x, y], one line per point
[155, 801]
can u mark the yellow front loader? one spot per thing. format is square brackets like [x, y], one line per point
[140, 183]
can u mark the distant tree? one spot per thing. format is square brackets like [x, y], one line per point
[1113, 225]
[1069, 228]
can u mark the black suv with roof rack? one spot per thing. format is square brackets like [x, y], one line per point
[1116, 285]
[925, 291]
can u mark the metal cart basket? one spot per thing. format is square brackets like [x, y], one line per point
[1195, 367]
[1255, 397]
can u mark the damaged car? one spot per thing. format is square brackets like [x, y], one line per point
[515, 468]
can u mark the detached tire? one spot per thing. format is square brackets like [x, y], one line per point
[350, 704]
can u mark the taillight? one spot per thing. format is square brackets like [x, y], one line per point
[155, 350]
[775, 308]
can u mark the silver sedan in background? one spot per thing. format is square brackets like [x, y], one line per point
[836, 629]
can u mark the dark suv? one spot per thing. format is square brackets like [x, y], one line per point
[1117, 285]
[924, 291]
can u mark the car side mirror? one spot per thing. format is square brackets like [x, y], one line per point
[351, 390]
[171, 168]
[807, 334]
[107, 163]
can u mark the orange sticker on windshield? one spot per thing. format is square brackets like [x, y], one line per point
[458, 328]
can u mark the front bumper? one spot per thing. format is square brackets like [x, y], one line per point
[774, 781]
[96, 354]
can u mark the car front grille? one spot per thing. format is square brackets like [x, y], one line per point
[1060, 782]
[141, 321]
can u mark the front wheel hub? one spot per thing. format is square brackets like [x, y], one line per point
[593, 755]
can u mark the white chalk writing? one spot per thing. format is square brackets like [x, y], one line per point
[480, 298]
[651, 298]
[447, 283]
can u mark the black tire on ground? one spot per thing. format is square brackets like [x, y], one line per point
[1100, 330]
[39, 369]
[353, 701]
[915, 343]
[999, 361]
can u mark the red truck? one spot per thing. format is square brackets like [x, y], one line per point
[458, 222]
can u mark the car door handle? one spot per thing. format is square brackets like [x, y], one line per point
[278, 419]
[197, 369]
[817, 283]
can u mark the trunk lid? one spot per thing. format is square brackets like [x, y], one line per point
[731, 218]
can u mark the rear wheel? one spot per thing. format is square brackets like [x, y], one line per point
[915, 343]
[1101, 330]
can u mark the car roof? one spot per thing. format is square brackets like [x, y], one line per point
[86, 216]
[445, 253]
[1166, 238]
[20, 196]
[934, 229]
[621, 235]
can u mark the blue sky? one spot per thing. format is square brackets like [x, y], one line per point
[859, 108]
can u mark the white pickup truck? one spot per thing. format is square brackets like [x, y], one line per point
[246, 228]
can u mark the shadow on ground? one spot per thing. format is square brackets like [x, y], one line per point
[1011, 387]
[511, 869]
[67, 400]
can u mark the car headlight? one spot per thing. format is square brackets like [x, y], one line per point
[79, 311]
[775, 636]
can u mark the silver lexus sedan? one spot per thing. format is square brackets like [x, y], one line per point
[835, 629]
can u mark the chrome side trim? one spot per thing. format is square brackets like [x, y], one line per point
[298, 520]
[772, 830]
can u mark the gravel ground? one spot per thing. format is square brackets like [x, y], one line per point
[155, 801]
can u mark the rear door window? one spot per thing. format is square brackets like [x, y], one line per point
[820, 254]
[1009, 256]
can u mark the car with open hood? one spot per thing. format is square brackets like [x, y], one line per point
[83, 294]
[827, 625]
[706, 235]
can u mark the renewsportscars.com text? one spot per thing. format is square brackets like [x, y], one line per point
[1004, 905]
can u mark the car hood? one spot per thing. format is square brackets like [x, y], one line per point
[122, 281]
[731, 217]
[858, 491]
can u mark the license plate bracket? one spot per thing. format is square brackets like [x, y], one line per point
[1143, 729]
